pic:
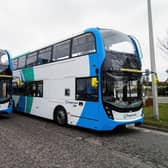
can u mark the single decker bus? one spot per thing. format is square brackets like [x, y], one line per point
[6, 102]
[91, 80]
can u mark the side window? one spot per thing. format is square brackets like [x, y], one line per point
[84, 90]
[31, 59]
[21, 90]
[33, 89]
[61, 50]
[39, 85]
[44, 56]
[15, 63]
[21, 61]
[28, 89]
[83, 45]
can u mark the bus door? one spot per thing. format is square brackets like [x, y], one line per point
[86, 96]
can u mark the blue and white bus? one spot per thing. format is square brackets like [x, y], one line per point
[6, 103]
[90, 80]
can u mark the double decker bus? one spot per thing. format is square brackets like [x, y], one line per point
[90, 80]
[6, 102]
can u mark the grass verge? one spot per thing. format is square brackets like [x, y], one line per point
[163, 115]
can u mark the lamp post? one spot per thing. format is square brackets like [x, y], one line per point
[153, 65]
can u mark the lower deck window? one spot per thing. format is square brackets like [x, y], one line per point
[34, 89]
[85, 91]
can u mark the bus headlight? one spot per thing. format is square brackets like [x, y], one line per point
[109, 112]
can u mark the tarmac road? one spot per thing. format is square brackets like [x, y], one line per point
[31, 142]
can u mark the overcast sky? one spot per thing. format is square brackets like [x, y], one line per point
[30, 24]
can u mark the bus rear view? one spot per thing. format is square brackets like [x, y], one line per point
[6, 102]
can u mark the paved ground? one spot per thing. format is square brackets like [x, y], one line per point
[27, 142]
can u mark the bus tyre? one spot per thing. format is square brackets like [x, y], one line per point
[60, 116]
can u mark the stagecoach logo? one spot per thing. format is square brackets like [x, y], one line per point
[70, 102]
[125, 116]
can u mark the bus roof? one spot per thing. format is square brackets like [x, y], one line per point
[62, 39]
[20, 55]
[34, 50]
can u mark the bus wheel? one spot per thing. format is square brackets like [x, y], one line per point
[60, 116]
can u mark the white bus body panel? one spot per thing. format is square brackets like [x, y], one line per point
[57, 77]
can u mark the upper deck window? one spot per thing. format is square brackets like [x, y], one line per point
[44, 56]
[120, 51]
[83, 45]
[22, 61]
[61, 50]
[118, 42]
[31, 59]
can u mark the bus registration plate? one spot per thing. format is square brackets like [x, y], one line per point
[130, 125]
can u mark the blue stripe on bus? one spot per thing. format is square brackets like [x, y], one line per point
[100, 53]
[10, 60]
[137, 47]
[93, 115]
[105, 123]
[89, 117]
[21, 104]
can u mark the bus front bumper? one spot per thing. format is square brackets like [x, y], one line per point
[7, 110]
[110, 124]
